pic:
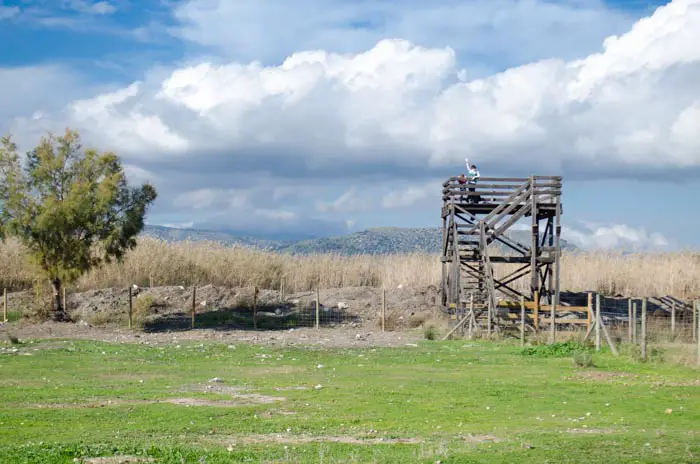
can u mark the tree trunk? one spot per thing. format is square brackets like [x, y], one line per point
[60, 312]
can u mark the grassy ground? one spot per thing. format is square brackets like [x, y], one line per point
[455, 401]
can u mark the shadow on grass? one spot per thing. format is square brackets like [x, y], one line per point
[267, 318]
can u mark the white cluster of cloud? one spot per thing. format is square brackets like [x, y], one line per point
[615, 237]
[7, 12]
[508, 32]
[403, 104]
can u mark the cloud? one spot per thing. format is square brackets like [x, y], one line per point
[350, 201]
[408, 195]
[617, 237]
[499, 32]
[400, 104]
[8, 12]
[89, 7]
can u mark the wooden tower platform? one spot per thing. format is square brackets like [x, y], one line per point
[478, 275]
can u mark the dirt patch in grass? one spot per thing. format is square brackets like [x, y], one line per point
[591, 431]
[117, 460]
[470, 438]
[242, 400]
[293, 388]
[238, 400]
[302, 439]
[603, 376]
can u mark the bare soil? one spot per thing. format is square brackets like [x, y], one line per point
[352, 312]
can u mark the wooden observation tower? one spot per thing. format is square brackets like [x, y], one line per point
[482, 264]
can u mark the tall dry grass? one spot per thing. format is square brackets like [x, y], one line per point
[185, 263]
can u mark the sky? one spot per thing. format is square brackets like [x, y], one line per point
[317, 118]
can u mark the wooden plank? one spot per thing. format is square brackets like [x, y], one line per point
[448, 194]
[561, 320]
[481, 184]
[507, 179]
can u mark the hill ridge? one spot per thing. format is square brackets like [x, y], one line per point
[375, 241]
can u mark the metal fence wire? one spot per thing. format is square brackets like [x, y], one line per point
[254, 314]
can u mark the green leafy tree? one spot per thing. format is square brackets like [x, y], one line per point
[71, 208]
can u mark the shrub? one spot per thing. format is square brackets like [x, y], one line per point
[583, 359]
[556, 350]
[430, 332]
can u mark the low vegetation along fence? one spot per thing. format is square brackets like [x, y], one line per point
[637, 324]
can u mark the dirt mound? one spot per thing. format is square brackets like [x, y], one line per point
[109, 306]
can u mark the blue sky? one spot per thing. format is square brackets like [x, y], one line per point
[376, 102]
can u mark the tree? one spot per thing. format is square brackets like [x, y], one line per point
[71, 208]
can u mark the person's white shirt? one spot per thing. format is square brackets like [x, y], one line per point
[473, 174]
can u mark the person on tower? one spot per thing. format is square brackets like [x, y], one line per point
[472, 175]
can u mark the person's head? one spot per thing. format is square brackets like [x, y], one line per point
[474, 167]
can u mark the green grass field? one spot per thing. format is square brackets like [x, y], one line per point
[456, 401]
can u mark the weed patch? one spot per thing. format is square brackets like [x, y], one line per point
[556, 350]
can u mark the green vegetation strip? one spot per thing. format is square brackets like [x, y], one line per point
[454, 401]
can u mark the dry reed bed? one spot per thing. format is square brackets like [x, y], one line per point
[185, 263]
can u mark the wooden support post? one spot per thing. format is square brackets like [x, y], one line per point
[282, 282]
[131, 309]
[673, 320]
[630, 322]
[194, 302]
[4, 304]
[634, 322]
[597, 322]
[318, 309]
[522, 320]
[64, 299]
[536, 322]
[383, 308]
[457, 326]
[255, 307]
[590, 312]
[644, 329]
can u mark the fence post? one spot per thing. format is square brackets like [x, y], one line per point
[4, 304]
[537, 311]
[255, 306]
[697, 327]
[629, 320]
[694, 329]
[489, 318]
[589, 319]
[597, 322]
[318, 304]
[194, 297]
[644, 329]
[673, 320]
[65, 308]
[634, 322]
[470, 332]
[383, 307]
[553, 327]
[282, 282]
[130, 308]
[522, 320]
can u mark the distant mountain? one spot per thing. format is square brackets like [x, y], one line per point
[384, 240]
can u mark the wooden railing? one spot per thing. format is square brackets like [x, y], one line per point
[498, 189]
